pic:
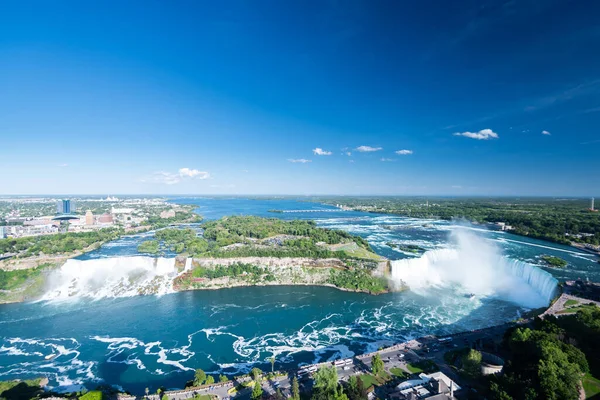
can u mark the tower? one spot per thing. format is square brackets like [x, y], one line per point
[592, 205]
[65, 212]
[89, 218]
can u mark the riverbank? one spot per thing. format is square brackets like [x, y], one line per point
[143, 275]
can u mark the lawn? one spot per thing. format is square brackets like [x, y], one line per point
[20, 390]
[369, 380]
[400, 373]
[413, 369]
[591, 386]
[573, 310]
[426, 366]
[571, 302]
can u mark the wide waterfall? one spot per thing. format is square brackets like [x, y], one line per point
[112, 277]
[476, 267]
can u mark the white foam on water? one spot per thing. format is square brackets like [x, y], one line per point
[476, 267]
[154, 350]
[111, 277]
[55, 358]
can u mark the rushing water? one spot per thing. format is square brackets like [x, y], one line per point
[103, 334]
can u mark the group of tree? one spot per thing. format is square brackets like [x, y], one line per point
[358, 279]
[542, 218]
[233, 270]
[201, 378]
[326, 386]
[545, 363]
[57, 244]
[236, 229]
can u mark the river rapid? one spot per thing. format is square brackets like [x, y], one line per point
[464, 278]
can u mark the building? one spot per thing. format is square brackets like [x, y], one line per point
[65, 207]
[167, 214]
[428, 386]
[105, 219]
[592, 205]
[89, 218]
[2, 232]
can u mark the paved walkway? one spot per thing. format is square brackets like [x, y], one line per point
[559, 305]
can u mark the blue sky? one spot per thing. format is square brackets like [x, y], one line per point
[199, 97]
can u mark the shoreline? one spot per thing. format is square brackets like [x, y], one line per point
[575, 245]
[287, 271]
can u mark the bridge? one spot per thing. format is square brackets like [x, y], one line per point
[307, 211]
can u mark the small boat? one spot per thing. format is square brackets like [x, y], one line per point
[50, 356]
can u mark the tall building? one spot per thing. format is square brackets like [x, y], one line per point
[592, 205]
[65, 207]
[89, 217]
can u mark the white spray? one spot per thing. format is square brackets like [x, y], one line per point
[111, 277]
[476, 266]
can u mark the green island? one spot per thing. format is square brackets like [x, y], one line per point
[248, 250]
[554, 261]
[560, 220]
[410, 248]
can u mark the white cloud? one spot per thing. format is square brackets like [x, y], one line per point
[63, 165]
[193, 173]
[545, 133]
[387, 159]
[245, 171]
[404, 152]
[351, 161]
[367, 149]
[170, 178]
[320, 152]
[299, 160]
[483, 134]
[349, 153]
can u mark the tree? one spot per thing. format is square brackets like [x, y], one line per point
[165, 397]
[209, 380]
[272, 359]
[199, 377]
[326, 383]
[295, 389]
[356, 389]
[255, 373]
[257, 391]
[471, 363]
[223, 378]
[377, 364]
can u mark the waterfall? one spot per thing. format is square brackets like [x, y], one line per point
[111, 277]
[543, 282]
[476, 266]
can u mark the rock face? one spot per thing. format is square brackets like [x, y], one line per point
[277, 271]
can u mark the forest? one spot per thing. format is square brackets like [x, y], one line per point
[562, 220]
[552, 360]
[57, 244]
[249, 237]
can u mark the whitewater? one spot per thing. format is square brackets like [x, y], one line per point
[92, 326]
[112, 277]
[475, 267]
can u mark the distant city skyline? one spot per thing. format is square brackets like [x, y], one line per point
[499, 98]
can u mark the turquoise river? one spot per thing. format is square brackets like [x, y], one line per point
[467, 279]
